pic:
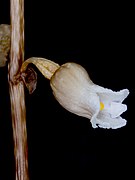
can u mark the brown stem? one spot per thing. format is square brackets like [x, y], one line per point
[16, 89]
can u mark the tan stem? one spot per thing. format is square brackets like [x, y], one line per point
[18, 110]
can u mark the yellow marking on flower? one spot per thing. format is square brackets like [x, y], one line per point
[101, 106]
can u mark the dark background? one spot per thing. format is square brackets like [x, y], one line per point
[60, 144]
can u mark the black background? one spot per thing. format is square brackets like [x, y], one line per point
[60, 144]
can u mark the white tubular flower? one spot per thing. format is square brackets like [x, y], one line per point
[75, 91]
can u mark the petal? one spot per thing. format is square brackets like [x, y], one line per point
[116, 109]
[104, 120]
[109, 95]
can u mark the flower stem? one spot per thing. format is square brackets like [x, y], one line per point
[16, 89]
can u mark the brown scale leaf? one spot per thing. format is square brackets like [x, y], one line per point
[29, 77]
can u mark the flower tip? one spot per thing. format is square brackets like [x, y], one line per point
[125, 92]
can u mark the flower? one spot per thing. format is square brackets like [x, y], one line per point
[74, 90]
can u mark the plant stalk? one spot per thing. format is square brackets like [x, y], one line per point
[16, 90]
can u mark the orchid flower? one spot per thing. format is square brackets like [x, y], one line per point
[75, 91]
